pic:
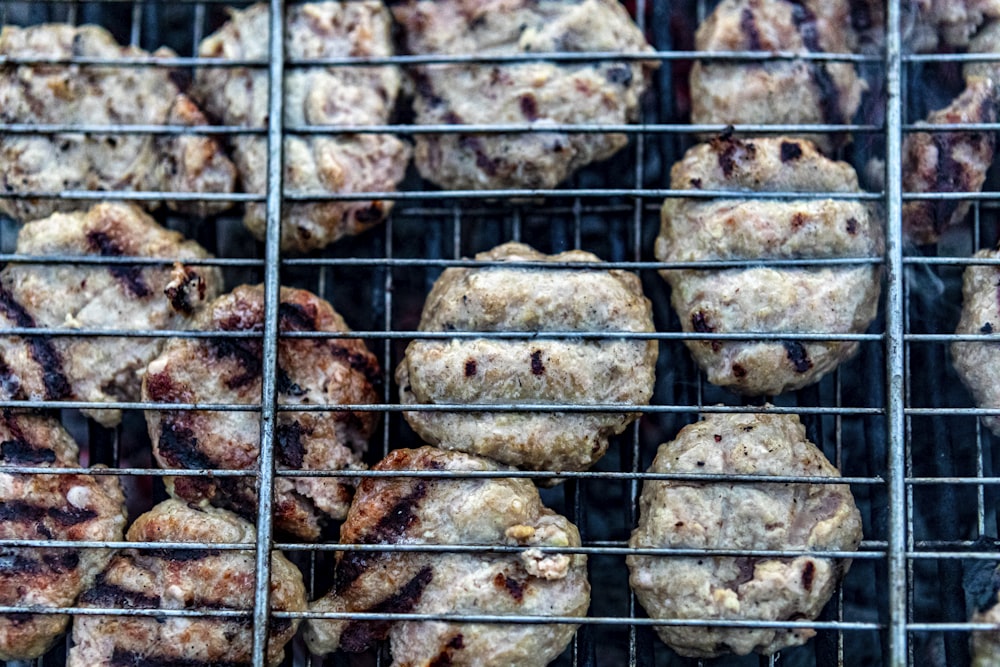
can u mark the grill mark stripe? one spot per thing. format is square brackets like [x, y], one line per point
[829, 94]
[125, 658]
[129, 276]
[40, 347]
[358, 636]
[20, 451]
[112, 596]
[21, 563]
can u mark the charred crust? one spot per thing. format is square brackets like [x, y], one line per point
[247, 353]
[22, 452]
[182, 555]
[799, 220]
[790, 151]
[513, 587]
[425, 89]
[286, 386]
[444, 657]
[22, 511]
[296, 317]
[470, 368]
[829, 94]
[360, 362]
[488, 165]
[359, 636]
[178, 292]
[13, 564]
[798, 356]
[40, 347]
[291, 450]
[124, 658]
[129, 276]
[370, 214]
[620, 75]
[71, 516]
[739, 371]
[178, 446]
[529, 107]
[852, 226]
[808, 575]
[695, 183]
[730, 150]
[111, 596]
[699, 323]
[537, 367]
[986, 328]
[748, 26]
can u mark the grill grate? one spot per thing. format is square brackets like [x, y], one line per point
[894, 419]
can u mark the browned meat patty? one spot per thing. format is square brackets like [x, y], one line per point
[811, 299]
[779, 91]
[201, 579]
[501, 511]
[932, 25]
[986, 644]
[482, 371]
[91, 296]
[314, 163]
[91, 95]
[543, 93]
[312, 371]
[725, 515]
[48, 507]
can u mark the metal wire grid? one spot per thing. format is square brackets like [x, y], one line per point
[882, 418]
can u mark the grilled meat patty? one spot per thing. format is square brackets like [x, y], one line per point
[71, 296]
[98, 95]
[740, 515]
[314, 163]
[933, 25]
[196, 579]
[48, 507]
[483, 371]
[311, 371]
[986, 644]
[810, 299]
[792, 92]
[485, 511]
[542, 93]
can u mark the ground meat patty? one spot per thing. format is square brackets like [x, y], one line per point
[932, 25]
[48, 507]
[780, 91]
[829, 299]
[484, 371]
[534, 92]
[98, 95]
[496, 511]
[92, 296]
[202, 579]
[311, 371]
[314, 163]
[725, 515]
[986, 644]
[979, 363]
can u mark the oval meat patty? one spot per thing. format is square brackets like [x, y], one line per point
[48, 507]
[482, 371]
[812, 299]
[793, 92]
[739, 515]
[413, 511]
[311, 371]
[99, 95]
[92, 296]
[195, 579]
[543, 93]
[348, 95]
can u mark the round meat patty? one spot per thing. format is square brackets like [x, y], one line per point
[311, 371]
[484, 511]
[986, 644]
[93, 296]
[543, 93]
[48, 507]
[194, 579]
[314, 163]
[739, 515]
[831, 299]
[99, 95]
[482, 371]
[793, 92]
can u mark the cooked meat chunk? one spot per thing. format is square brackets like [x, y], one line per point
[740, 515]
[482, 511]
[833, 299]
[497, 298]
[318, 164]
[98, 95]
[543, 93]
[48, 507]
[777, 91]
[986, 644]
[311, 371]
[93, 296]
[933, 25]
[196, 578]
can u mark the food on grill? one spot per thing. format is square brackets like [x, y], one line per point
[742, 516]
[542, 93]
[832, 299]
[793, 92]
[320, 164]
[48, 507]
[98, 95]
[482, 511]
[600, 369]
[932, 25]
[311, 371]
[198, 578]
[986, 644]
[114, 296]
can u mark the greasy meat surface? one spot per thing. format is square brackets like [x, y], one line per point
[686, 515]
[56, 507]
[91, 95]
[533, 92]
[494, 511]
[93, 296]
[778, 91]
[484, 371]
[202, 579]
[312, 371]
[828, 299]
[314, 163]
[979, 363]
